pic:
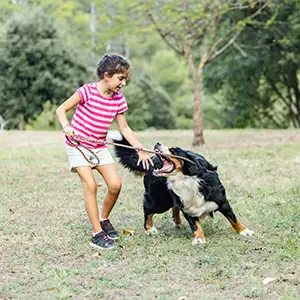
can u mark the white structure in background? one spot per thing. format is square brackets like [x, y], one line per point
[2, 124]
[93, 23]
[18, 1]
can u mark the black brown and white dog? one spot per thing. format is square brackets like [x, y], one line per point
[190, 185]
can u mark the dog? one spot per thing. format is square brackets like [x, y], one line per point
[181, 180]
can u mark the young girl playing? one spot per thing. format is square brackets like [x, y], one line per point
[98, 104]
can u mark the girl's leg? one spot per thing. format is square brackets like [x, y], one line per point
[113, 182]
[90, 196]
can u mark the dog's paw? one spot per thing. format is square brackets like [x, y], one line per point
[247, 232]
[152, 231]
[197, 241]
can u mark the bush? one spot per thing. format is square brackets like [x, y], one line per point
[39, 67]
[46, 120]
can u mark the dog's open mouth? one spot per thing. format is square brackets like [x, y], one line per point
[168, 166]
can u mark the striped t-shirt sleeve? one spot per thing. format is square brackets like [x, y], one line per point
[123, 106]
[84, 93]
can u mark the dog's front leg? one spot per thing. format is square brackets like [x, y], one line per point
[148, 224]
[176, 216]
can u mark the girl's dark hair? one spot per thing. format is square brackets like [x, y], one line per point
[112, 64]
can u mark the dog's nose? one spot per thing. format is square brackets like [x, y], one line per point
[158, 144]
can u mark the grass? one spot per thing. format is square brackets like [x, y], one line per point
[45, 232]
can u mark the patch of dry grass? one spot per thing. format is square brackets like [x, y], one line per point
[44, 230]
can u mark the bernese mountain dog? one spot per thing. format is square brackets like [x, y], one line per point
[180, 180]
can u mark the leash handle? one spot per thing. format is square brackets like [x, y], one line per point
[86, 148]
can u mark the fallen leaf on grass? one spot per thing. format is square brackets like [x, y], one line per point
[128, 231]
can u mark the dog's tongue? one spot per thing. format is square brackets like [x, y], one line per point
[166, 168]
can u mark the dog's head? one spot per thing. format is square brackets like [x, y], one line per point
[186, 162]
[190, 163]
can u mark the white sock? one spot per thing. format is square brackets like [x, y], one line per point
[95, 233]
[102, 219]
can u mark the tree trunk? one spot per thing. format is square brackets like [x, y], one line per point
[197, 79]
[198, 112]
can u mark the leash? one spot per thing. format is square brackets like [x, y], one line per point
[77, 144]
[78, 139]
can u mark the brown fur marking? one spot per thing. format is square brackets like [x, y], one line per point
[149, 222]
[237, 226]
[199, 232]
[176, 215]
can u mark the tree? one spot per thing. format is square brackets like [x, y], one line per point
[199, 31]
[266, 93]
[36, 66]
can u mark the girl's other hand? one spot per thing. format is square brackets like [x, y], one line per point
[145, 159]
[68, 130]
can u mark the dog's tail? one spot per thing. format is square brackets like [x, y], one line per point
[127, 157]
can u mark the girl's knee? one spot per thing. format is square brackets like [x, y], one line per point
[115, 187]
[90, 186]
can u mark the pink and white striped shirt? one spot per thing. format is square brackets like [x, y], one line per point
[95, 113]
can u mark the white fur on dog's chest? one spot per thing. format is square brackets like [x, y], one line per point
[187, 189]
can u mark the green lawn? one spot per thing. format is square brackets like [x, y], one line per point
[45, 232]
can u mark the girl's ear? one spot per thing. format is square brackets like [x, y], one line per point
[106, 76]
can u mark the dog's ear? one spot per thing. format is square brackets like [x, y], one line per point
[190, 167]
[202, 161]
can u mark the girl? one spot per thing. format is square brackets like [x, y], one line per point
[98, 104]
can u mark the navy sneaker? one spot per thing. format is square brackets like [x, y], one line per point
[109, 229]
[102, 241]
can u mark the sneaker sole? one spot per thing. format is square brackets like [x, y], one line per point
[102, 248]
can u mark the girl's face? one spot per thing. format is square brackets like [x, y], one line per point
[116, 82]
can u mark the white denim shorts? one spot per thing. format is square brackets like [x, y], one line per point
[76, 159]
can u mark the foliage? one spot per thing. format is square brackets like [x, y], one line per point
[46, 120]
[38, 66]
[261, 82]
[149, 105]
[172, 72]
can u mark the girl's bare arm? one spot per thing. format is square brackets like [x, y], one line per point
[127, 132]
[61, 111]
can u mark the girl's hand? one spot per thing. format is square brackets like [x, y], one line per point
[145, 159]
[68, 130]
